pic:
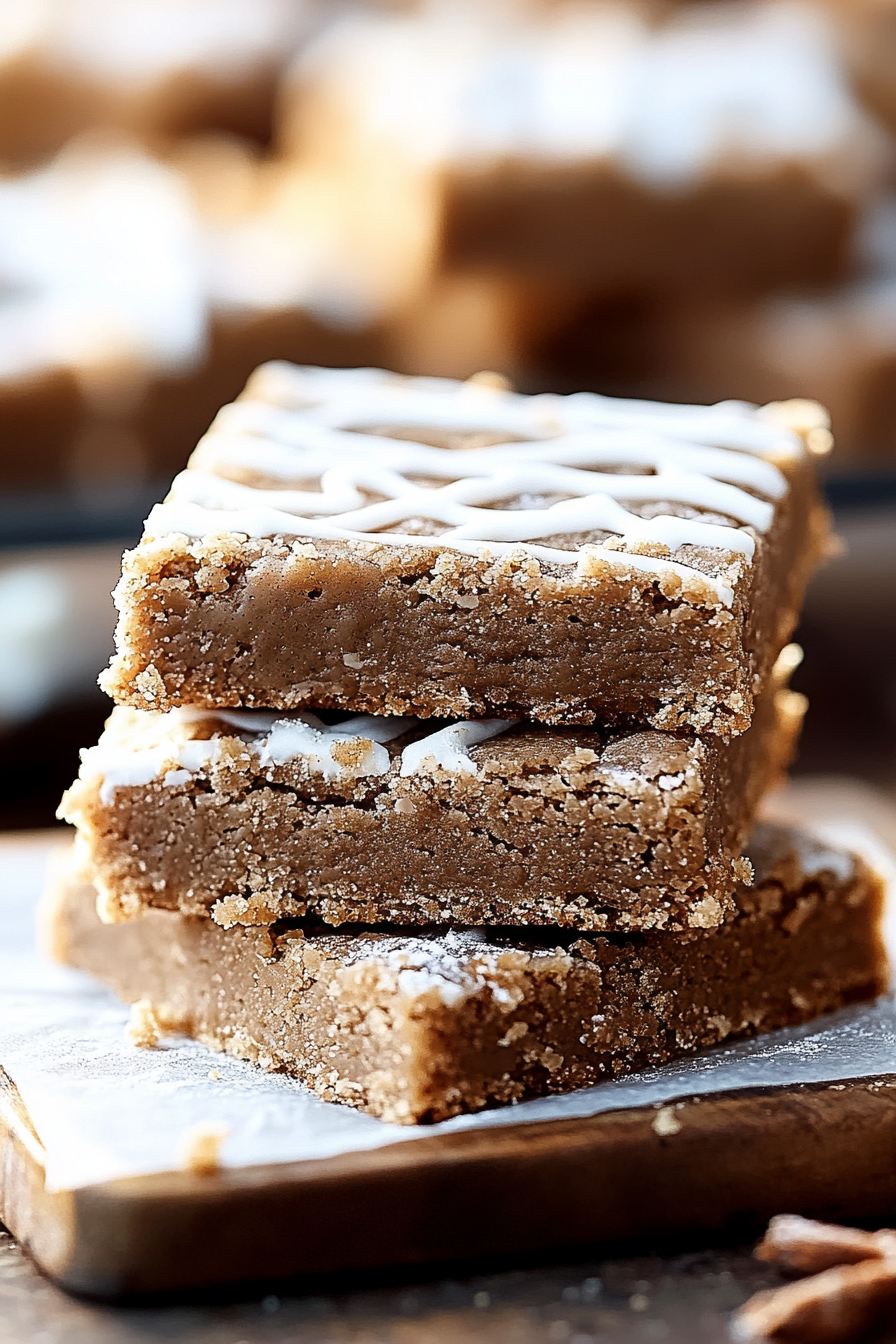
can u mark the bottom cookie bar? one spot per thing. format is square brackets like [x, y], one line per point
[418, 1025]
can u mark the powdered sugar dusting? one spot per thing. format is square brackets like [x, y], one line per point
[454, 965]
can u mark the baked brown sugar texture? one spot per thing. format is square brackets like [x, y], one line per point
[419, 1025]
[237, 595]
[574, 827]
[444, 716]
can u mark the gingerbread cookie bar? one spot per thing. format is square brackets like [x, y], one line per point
[391, 545]
[187, 317]
[387, 819]
[153, 71]
[419, 1025]
[713, 148]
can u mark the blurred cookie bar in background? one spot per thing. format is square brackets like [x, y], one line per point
[716, 148]
[140, 292]
[132, 302]
[838, 344]
[867, 32]
[154, 68]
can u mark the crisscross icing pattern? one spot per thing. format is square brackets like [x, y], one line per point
[331, 454]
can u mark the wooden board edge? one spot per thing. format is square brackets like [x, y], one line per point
[712, 1163]
[42, 1222]
[16, 1118]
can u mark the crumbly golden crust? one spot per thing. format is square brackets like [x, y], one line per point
[417, 1025]
[576, 827]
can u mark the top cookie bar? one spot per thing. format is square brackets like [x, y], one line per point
[359, 540]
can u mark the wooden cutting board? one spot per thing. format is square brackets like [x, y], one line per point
[725, 1163]
[825, 1150]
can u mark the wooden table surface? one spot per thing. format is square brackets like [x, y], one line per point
[682, 1298]
[679, 1299]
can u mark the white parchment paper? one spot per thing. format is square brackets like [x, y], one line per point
[104, 1109]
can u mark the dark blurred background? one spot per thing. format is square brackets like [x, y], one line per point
[680, 201]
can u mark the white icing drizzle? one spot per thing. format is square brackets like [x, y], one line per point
[359, 398]
[303, 736]
[448, 747]
[123, 767]
[598, 454]
[157, 746]
[257, 721]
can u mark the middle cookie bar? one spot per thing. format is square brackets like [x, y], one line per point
[255, 817]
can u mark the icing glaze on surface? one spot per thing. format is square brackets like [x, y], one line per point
[317, 444]
[447, 748]
[131, 765]
[140, 747]
[453, 965]
[304, 737]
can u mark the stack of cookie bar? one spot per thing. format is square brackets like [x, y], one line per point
[443, 717]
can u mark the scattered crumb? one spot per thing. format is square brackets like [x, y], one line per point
[108, 907]
[706, 913]
[213, 1074]
[518, 1030]
[665, 1122]
[230, 910]
[200, 1147]
[143, 1028]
